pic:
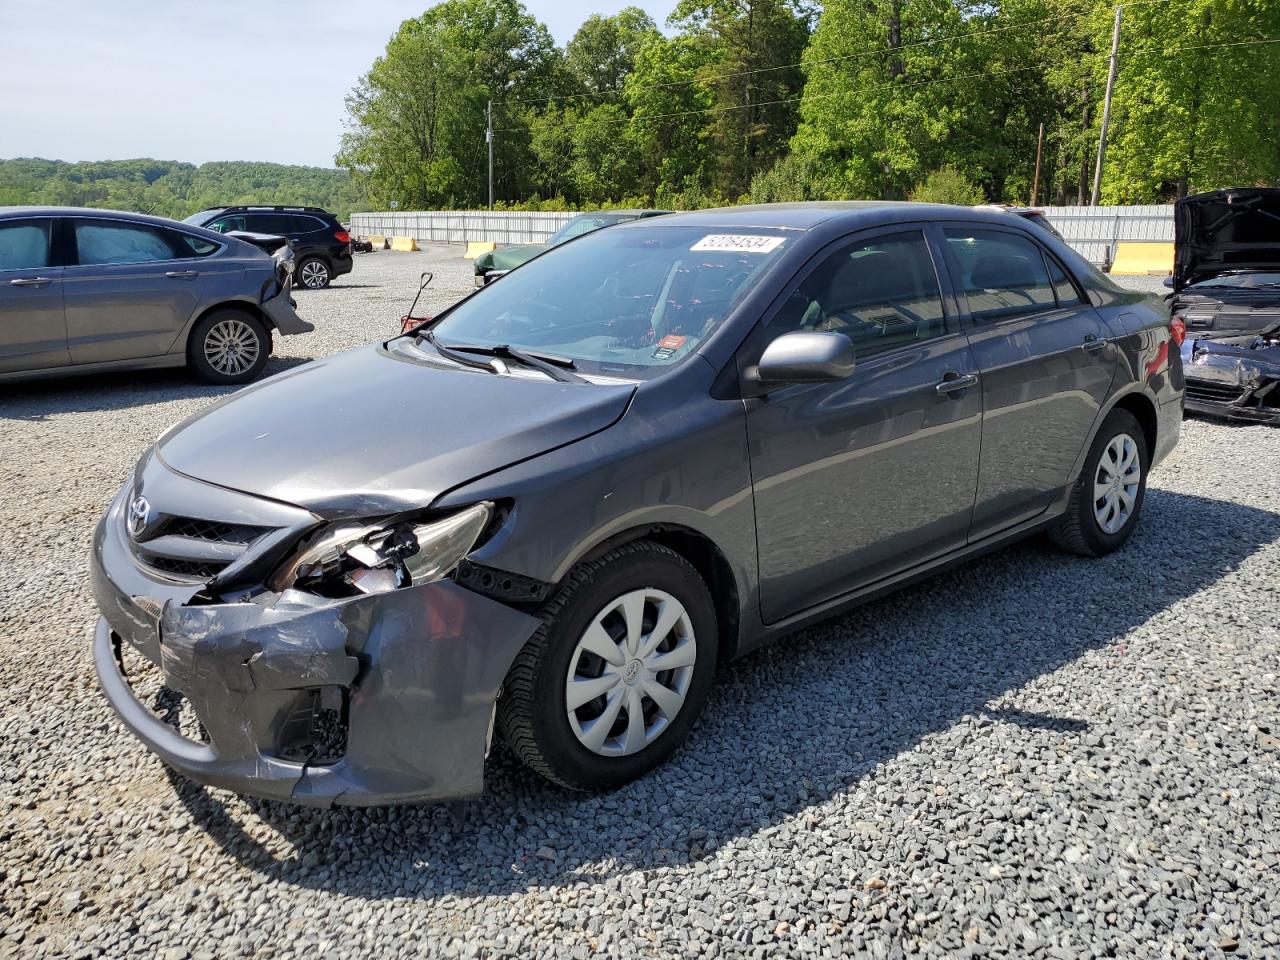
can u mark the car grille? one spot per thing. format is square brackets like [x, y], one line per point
[186, 568]
[194, 548]
[211, 531]
[1207, 391]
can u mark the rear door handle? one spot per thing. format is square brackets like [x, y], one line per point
[1092, 344]
[181, 274]
[31, 282]
[954, 382]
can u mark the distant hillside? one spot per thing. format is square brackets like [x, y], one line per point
[169, 189]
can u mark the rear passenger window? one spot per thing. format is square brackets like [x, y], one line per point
[880, 293]
[24, 245]
[1003, 275]
[279, 223]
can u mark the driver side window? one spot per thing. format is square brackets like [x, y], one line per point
[881, 293]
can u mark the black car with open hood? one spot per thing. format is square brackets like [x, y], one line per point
[1226, 282]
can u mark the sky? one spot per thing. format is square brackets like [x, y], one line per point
[199, 80]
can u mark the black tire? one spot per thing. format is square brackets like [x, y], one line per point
[1078, 530]
[532, 714]
[313, 273]
[199, 348]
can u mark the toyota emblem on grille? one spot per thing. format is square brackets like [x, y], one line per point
[139, 513]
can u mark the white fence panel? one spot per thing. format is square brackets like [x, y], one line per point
[461, 226]
[1092, 231]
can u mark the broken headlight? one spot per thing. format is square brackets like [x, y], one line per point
[347, 559]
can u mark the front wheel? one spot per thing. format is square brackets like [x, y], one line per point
[229, 346]
[1107, 496]
[612, 682]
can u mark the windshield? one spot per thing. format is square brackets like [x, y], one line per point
[1240, 281]
[629, 302]
[198, 219]
[580, 225]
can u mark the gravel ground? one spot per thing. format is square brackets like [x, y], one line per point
[1031, 755]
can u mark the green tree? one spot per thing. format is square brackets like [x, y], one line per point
[948, 185]
[602, 54]
[748, 48]
[417, 118]
[668, 119]
[1186, 120]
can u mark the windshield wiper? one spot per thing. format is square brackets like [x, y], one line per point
[557, 368]
[450, 353]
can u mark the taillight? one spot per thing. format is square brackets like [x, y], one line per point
[1177, 329]
[342, 236]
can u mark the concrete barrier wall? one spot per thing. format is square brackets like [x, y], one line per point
[1093, 231]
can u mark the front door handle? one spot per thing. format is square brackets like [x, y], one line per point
[181, 274]
[31, 282]
[954, 382]
[1092, 344]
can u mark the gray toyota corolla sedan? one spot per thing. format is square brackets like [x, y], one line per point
[82, 291]
[552, 511]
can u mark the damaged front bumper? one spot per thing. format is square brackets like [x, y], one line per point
[377, 699]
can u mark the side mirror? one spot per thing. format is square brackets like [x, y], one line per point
[1168, 282]
[805, 358]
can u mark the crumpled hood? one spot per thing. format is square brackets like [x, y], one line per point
[365, 433]
[1225, 230]
[508, 258]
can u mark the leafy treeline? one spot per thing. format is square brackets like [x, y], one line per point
[787, 99]
[170, 189]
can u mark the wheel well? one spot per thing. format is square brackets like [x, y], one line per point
[710, 563]
[1144, 412]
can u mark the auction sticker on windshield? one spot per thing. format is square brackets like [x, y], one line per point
[733, 243]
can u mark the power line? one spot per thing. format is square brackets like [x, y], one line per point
[1211, 46]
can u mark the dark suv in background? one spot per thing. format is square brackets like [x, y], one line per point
[321, 245]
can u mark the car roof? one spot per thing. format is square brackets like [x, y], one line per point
[91, 213]
[806, 216]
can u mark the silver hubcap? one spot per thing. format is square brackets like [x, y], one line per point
[231, 347]
[314, 274]
[1115, 487]
[630, 672]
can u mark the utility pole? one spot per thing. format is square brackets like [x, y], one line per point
[488, 136]
[1106, 108]
[1035, 183]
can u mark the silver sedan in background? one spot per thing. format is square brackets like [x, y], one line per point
[85, 290]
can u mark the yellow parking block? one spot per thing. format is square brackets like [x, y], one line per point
[379, 242]
[404, 244]
[477, 248]
[1143, 259]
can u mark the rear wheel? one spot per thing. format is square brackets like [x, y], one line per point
[229, 346]
[611, 684]
[1107, 496]
[314, 273]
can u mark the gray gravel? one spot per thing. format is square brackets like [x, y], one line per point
[1031, 755]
